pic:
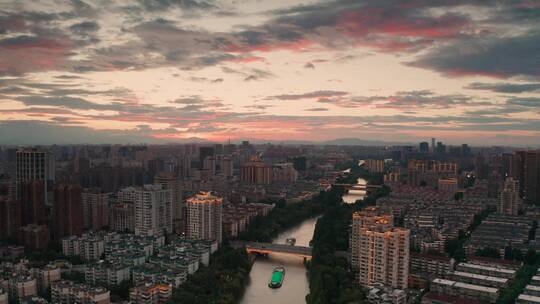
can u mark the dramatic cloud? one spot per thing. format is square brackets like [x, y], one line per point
[309, 95]
[532, 102]
[167, 70]
[490, 56]
[24, 53]
[84, 27]
[401, 100]
[505, 87]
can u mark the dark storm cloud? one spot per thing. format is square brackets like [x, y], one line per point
[496, 111]
[424, 98]
[505, 87]
[308, 95]
[160, 5]
[531, 102]
[389, 26]
[34, 132]
[489, 56]
[85, 27]
[400, 100]
[198, 101]
[66, 102]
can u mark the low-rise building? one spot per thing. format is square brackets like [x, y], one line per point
[150, 293]
[35, 236]
[532, 290]
[385, 295]
[89, 246]
[107, 274]
[493, 270]
[527, 299]
[21, 286]
[46, 276]
[499, 231]
[435, 298]
[430, 265]
[449, 184]
[478, 279]
[459, 289]
[33, 300]
[68, 292]
[148, 273]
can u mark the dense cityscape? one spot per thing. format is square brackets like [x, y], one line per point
[186, 223]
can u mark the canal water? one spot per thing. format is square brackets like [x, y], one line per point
[295, 286]
[353, 195]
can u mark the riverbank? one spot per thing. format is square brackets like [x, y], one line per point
[329, 277]
[225, 280]
[285, 216]
[296, 284]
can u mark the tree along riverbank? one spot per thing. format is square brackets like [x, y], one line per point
[330, 279]
[224, 281]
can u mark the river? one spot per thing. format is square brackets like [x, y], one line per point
[295, 286]
[353, 195]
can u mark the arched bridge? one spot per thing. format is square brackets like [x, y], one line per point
[367, 188]
[267, 248]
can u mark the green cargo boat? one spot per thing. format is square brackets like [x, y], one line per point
[278, 275]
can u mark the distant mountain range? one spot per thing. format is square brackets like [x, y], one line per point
[337, 142]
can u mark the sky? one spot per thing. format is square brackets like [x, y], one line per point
[133, 71]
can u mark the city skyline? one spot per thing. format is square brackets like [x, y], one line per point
[174, 71]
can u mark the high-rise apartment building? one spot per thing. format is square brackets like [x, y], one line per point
[423, 147]
[226, 166]
[205, 217]
[35, 237]
[284, 173]
[509, 200]
[379, 251]
[68, 211]
[10, 217]
[205, 152]
[95, 206]
[374, 165]
[122, 217]
[368, 217]
[32, 196]
[209, 164]
[384, 256]
[152, 208]
[528, 172]
[168, 180]
[429, 172]
[256, 171]
[34, 165]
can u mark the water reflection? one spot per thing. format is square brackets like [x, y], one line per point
[295, 286]
[353, 195]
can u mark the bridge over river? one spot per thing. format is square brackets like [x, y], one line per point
[267, 248]
[367, 188]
